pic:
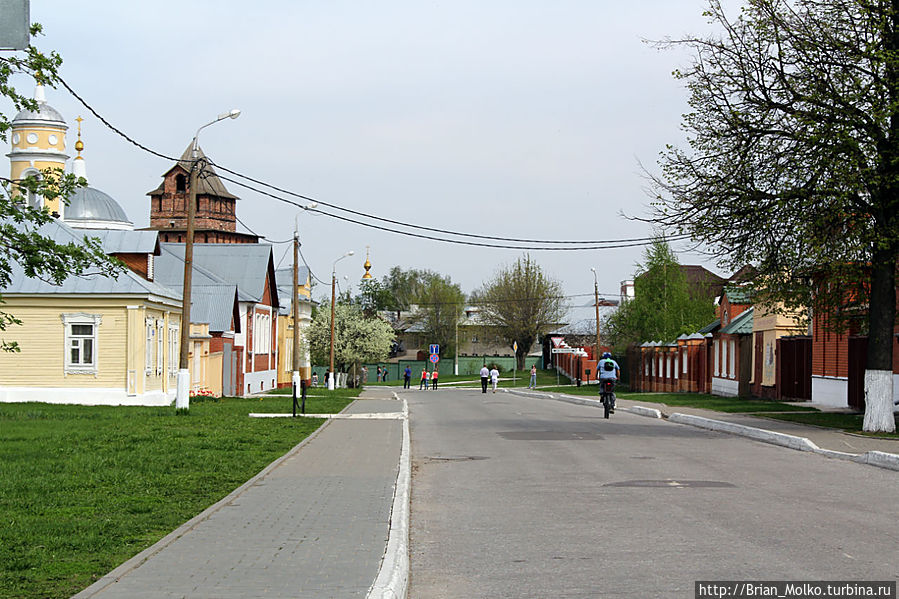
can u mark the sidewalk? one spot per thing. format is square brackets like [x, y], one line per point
[314, 523]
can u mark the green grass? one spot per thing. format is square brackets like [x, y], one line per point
[82, 488]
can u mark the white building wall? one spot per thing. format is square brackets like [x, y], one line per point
[725, 387]
[830, 391]
[85, 396]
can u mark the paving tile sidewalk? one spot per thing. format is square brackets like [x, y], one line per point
[312, 524]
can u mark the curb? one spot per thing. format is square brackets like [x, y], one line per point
[392, 581]
[138, 560]
[880, 459]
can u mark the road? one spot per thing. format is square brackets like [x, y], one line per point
[522, 497]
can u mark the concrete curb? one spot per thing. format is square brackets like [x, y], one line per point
[392, 581]
[136, 561]
[881, 459]
[782, 439]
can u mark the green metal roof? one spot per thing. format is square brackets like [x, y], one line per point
[711, 327]
[738, 295]
[741, 325]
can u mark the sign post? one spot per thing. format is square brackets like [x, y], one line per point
[514, 360]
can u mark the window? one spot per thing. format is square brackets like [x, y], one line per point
[716, 348]
[150, 354]
[733, 356]
[160, 347]
[81, 332]
[180, 184]
[262, 333]
[174, 354]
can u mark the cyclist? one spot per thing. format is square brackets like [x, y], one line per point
[608, 370]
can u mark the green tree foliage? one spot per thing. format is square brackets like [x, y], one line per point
[440, 305]
[357, 339]
[793, 159]
[21, 240]
[663, 307]
[522, 302]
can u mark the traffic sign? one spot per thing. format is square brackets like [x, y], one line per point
[565, 350]
[434, 349]
[435, 358]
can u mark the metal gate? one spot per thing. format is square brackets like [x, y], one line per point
[794, 368]
[228, 366]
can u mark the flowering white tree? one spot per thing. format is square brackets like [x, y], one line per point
[357, 339]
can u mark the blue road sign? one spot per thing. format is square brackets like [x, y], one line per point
[434, 349]
[435, 358]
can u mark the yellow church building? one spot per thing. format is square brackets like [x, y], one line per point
[92, 339]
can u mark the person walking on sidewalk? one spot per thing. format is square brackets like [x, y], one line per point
[434, 379]
[494, 377]
[407, 378]
[533, 382]
[424, 378]
[485, 376]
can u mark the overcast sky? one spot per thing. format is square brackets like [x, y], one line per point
[524, 119]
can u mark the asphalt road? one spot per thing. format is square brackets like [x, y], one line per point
[520, 497]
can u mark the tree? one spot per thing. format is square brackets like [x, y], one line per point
[357, 339]
[21, 240]
[440, 305]
[522, 302]
[792, 161]
[663, 307]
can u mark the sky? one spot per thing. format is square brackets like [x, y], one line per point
[509, 118]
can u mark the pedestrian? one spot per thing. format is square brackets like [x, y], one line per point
[533, 383]
[424, 377]
[315, 379]
[485, 376]
[427, 380]
[364, 375]
[434, 379]
[407, 378]
[379, 374]
[494, 377]
[384, 375]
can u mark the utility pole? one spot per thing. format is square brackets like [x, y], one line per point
[596, 301]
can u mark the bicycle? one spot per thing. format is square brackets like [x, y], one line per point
[607, 396]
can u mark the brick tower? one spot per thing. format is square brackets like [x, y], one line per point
[216, 211]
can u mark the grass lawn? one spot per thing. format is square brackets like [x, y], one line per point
[83, 488]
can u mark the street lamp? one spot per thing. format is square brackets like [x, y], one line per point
[333, 299]
[596, 301]
[182, 396]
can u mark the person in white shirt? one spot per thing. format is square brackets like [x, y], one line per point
[494, 378]
[485, 376]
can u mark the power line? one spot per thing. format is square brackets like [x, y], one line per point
[583, 244]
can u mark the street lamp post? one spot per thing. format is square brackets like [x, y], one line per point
[295, 300]
[333, 300]
[596, 301]
[182, 395]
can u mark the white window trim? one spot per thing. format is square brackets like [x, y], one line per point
[70, 318]
[160, 347]
[150, 345]
[174, 354]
